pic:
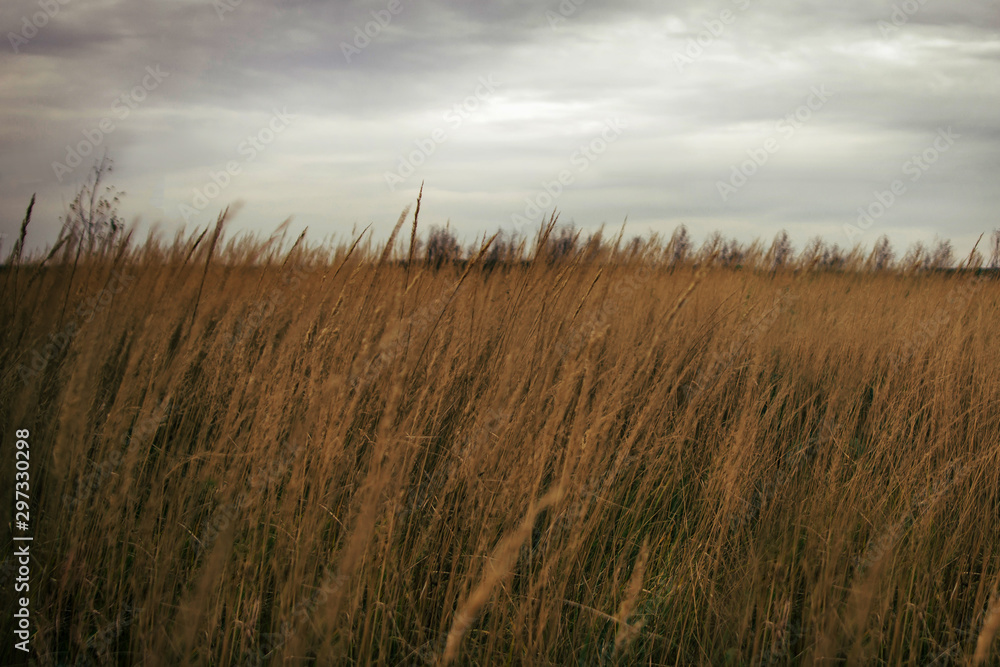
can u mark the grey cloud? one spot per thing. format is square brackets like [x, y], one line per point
[938, 68]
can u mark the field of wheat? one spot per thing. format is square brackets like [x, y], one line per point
[565, 452]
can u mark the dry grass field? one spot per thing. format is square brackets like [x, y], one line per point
[587, 452]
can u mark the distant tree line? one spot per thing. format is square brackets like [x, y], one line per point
[565, 242]
[92, 226]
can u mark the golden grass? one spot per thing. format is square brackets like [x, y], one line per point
[339, 455]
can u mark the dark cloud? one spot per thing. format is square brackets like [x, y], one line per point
[702, 86]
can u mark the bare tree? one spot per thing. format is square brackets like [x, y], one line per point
[781, 250]
[562, 243]
[505, 249]
[819, 255]
[679, 246]
[92, 222]
[916, 256]
[832, 258]
[442, 246]
[882, 254]
[942, 257]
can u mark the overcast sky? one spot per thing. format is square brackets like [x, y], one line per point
[743, 116]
